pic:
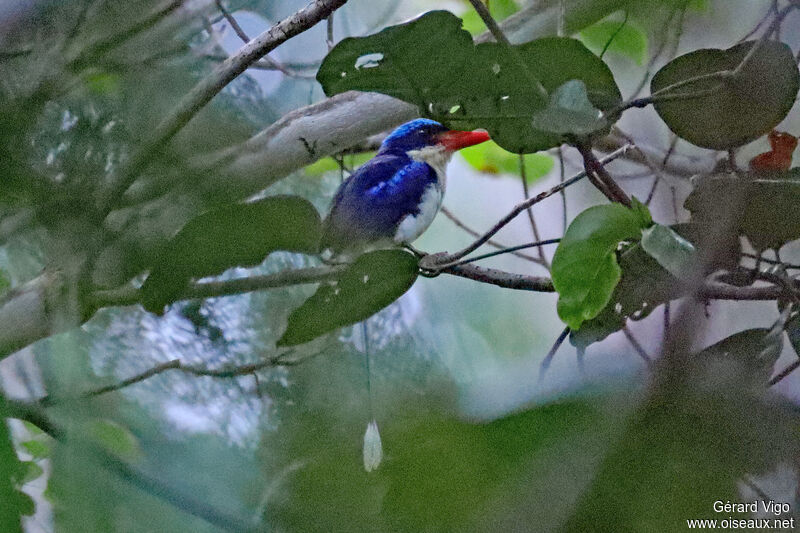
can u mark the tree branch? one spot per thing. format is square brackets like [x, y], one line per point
[210, 86]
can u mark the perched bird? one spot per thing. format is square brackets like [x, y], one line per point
[779, 157]
[394, 197]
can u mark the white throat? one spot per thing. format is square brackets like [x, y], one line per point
[437, 156]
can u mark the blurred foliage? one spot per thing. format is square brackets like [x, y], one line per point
[499, 9]
[83, 83]
[489, 158]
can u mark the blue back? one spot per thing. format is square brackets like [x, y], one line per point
[372, 202]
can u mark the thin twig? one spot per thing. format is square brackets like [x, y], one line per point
[600, 177]
[458, 222]
[210, 86]
[510, 249]
[785, 372]
[545, 364]
[636, 346]
[562, 193]
[175, 364]
[529, 211]
[519, 208]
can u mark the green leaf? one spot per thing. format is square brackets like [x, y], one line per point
[643, 286]
[12, 503]
[739, 109]
[28, 472]
[433, 63]
[569, 112]
[500, 9]
[762, 209]
[115, 438]
[491, 159]
[672, 251]
[372, 282]
[585, 269]
[37, 448]
[235, 235]
[626, 40]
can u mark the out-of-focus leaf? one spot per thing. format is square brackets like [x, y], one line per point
[37, 448]
[372, 282]
[115, 438]
[500, 9]
[793, 332]
[569, 112]
[625, 39]
[688, 446]
[491, 159]
[235, 235]
[433, 63]
[585, 269]
[13, 503]
[745, 359]
[676, 254]
[29, 472]
[733, 111]
[762, 209]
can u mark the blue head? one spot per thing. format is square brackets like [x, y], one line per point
[423, 132]
[413, 135]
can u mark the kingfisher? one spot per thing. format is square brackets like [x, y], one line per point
[393, 198]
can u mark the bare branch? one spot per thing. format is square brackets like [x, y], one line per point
[500, 246]
[441, 259]
[210, 86]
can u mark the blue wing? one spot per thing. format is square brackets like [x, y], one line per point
[373, 201]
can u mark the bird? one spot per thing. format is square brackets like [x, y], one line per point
[779, 158]
[393, 198]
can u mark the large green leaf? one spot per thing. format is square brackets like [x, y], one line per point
[372, 282]
[585, 269]
[234, 235]
[738, 109]
[491, 159]
[762, 209]
[569, 111]
[433, 63]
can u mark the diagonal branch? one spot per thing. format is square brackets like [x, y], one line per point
[210, 86]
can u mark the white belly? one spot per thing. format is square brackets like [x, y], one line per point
[412, 226]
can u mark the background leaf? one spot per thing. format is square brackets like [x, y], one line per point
[489, 158]
[739, 110]
[372, 282]
[764, 209]
[626, 40]
[235, 235]
[585, 269]
[433, 63]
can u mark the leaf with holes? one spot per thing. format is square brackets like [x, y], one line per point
[234, 235]
[372, 282]
[732, 111]
[585, 269]
[433, 63]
